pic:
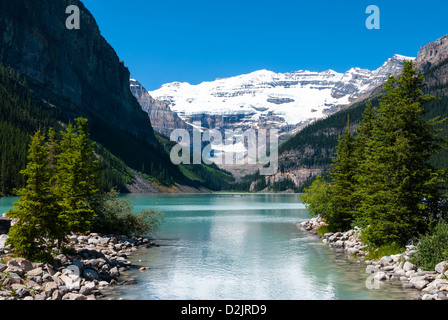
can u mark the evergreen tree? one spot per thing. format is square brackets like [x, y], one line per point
[399, 187]
[76, 178]
[317, 198]
[37, 209]
[342, 184]
[364, 133]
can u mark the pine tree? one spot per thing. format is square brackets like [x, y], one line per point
[37, 209]
[342, 184]
[399, 188]
[76, 179]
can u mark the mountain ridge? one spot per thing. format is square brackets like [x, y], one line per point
[264, 98]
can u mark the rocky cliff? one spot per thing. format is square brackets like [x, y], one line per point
[433, 53]
[433, 59]
[76, 71]
[163, 119]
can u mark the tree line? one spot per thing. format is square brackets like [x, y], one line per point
[382, 178]
[61, 195]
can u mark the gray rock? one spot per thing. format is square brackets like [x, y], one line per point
[408, 266]
[388, 268]
[386, 261]
[338, 244]
[380, 275]
[57, 295]
[74, 296]
[442, 296]
[93, 241]
[114, 272]
[35, 272]
[49, 287]
[87, 288]
[15, 270]
[419, 282]
[40, 296]
[90, 274]
[3, 238]
[442, 267]
[21, 263]
[428, 296]
[3, 267]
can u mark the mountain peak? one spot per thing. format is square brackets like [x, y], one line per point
[263, 97]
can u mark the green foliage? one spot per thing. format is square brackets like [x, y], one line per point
[432, 247]
[113, 172]
[37, 209]
[317, 198]
[398, 188]
[384, 180]
[375, 253]
[342, 185]
[61, 184]
[334, 200]
[115, 215]
[21, 115]
[75, 178]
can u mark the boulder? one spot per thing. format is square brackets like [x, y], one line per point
[35, 272]
[442, 267]
[380, 275]
[407, 266]
[57, 295]
[386, 260]
[74, 296]
[90, 274]
[3, 238]
[87, 288]
[49, 287]
[21, 263]
[3, 267]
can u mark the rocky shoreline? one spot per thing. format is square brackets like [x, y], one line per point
[91, 265]
[431, 284]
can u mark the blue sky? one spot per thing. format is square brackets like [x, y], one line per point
[201, 40]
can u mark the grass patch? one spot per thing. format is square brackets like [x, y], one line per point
[373, 253]
[323, 229]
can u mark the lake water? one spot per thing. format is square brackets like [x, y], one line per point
[241, 247]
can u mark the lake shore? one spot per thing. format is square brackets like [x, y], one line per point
[429, 284]
[91, 264]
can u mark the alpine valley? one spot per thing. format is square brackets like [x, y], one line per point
[309, 109]
[51, 75]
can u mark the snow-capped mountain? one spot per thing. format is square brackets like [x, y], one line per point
[268, 99]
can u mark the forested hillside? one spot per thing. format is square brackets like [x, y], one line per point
[20, 116]
[314, 146]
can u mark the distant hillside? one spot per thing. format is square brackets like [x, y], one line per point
[309, 152]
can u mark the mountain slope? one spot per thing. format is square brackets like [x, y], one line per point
[266, 99]
[163, 119]
[79, 74]
[310, 151]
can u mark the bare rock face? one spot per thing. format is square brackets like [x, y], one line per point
[433, 53]
[163, 119]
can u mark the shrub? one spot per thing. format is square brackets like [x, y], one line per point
[375, 253]
[116, 216]
[432, 247]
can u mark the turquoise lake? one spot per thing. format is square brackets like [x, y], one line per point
[241, 247]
